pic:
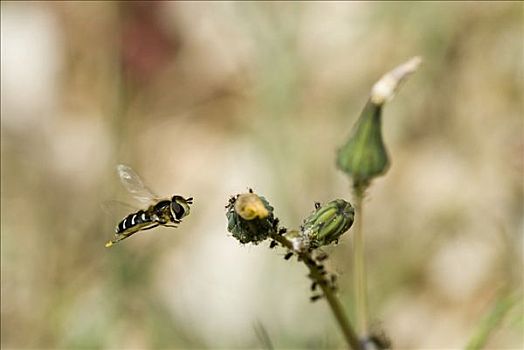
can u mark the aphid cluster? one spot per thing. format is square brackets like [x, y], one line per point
[326, 279]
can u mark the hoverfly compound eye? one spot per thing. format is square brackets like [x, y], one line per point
[178, 210]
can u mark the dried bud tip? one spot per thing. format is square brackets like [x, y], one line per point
[386, 87]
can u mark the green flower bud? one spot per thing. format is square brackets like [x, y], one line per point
[364, 155]
[328, 222]
[250, 218]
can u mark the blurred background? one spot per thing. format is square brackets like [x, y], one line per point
[209, 99]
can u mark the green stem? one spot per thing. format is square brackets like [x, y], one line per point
[359, 269]
[491, 321]
[336, 307]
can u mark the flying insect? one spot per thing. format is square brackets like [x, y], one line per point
[167, 212]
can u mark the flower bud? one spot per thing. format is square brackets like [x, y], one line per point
[250, 218]
[364, 155]
[328, 222]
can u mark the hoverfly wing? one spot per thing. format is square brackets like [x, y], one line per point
[134, 185]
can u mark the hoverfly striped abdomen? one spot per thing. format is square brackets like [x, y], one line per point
[133, 220]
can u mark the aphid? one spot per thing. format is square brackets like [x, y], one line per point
[380, 341]
[321, 257]
[273, 244]
[333, 279]
[313, 286]
[315, 297]
[231, 201]
[160, 212]
[333, 283]
[288, 256]
[323, 281]
[275, 224]
[282, 231]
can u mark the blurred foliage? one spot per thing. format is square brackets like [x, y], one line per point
[207, 99]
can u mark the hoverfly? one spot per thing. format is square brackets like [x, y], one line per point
[160, 212]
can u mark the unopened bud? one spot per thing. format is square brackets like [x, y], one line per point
[364, 155]
[328, 222]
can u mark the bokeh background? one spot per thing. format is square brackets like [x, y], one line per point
[209, 99]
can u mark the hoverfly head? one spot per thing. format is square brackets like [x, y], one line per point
[180, 206]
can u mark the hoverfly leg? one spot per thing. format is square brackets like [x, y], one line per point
[150, 227]
[121, 236]
[167, 225]
[118, 238]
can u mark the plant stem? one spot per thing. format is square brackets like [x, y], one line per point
[336, 307]
[491, 321]
[349, 334]
[359, 269]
